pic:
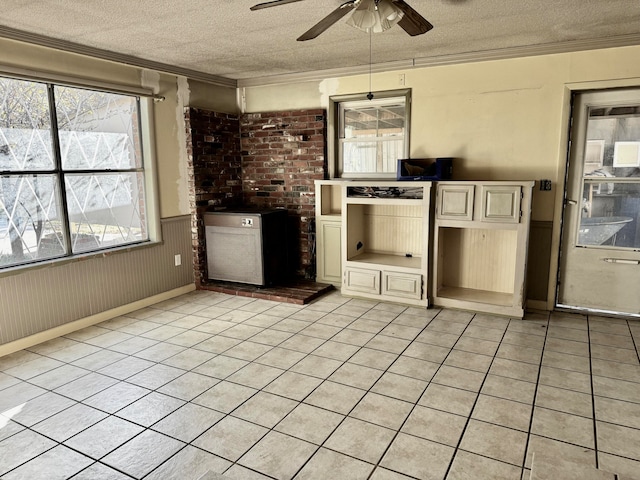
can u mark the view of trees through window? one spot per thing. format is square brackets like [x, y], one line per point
[71, 171]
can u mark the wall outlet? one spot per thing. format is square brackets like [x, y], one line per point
[401, 79]
[545, 185]
[177, 260]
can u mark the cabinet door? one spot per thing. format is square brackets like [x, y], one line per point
[455, 202]
[361, 280]
[329, 260]
[404, 285]
[501, 203]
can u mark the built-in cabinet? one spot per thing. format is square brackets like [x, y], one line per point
[480, 243]
[374, 241]
[329, 231]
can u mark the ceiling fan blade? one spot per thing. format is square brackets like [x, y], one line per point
[329, 20]
[412, 22]
[273, 3]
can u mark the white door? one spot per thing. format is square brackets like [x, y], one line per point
[600, 257]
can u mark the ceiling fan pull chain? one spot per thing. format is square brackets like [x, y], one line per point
[370, 94]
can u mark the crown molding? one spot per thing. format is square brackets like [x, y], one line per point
[49, 42]
[460, 58]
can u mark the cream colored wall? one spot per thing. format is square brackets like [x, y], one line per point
[168, 116]
[501, 120]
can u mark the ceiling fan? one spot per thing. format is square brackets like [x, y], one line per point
[368, 15]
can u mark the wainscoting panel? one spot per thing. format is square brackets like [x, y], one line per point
[44, 298]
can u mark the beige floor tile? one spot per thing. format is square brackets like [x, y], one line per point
[503, 412]
[384, 474]
[438, 339]
[614, 354]
[566, 401]
[218, 344]
[448, 399]
[523, 339]
[617, 411]
[370, 325]
[626, 468]
[388, 344]
[493, 441]
[278, 455]
[353, 337]
[567, 451]
[150, 409]
[189, 359]
[255, 375]
[519, 353]
[484, 333]
[619, 341]
[563, 426]
[155, 376]
[414, 367]
[418, 457]
[509, 388]
[428, 352]
[618, 440]
[356, 376]
[335, 397]
[468, 360]
[293, 385]
[401, 331]
[575, 363]
[575, 334]
[221, 366]
[238, 472]
[281, 358]
[382, 410]
[335, 464]
[103, 437]
[230, 438]
[61, 460]
[469, 466]
[309, 423]
[516, 370]
[188, 422]
[248, 350]
[362, 440]
[471, 344]
[224, 396]
[265, 409]
[400, 387]
[459, 378]
[567, 346]
[557, 377]
[435, 425]
[621, 371]
[552, 466]
[320, 330]
[613, 388]
[271, 337]
[373, 358]
[302, 343]
[336, 350]
[445, 322]
[316, 366]
[188, 386]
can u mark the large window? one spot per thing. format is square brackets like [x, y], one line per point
[71, 171]
[372, 135]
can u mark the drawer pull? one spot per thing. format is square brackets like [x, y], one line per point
[625, 261]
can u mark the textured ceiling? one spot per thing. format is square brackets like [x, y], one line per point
[225, 39]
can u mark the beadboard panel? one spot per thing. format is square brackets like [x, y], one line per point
[44, 298]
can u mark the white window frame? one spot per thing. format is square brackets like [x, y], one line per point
[337, 106]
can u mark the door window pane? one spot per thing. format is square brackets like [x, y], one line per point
[610, 214]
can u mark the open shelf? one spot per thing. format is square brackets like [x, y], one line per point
[473, 295]
[387, 260]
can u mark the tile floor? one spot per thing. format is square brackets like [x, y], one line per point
[336, 389]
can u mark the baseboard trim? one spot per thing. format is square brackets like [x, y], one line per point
[67, 328]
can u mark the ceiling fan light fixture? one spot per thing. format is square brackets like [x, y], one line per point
[376, 16]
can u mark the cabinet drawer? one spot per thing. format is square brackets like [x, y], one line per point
[405, 285]
[361, 280]
[455, 202]
[501, 203]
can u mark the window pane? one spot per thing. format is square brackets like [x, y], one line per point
[105, 210]
[374, 156]
[30, 224]
[98, 130]
[610, 214]
[25, 126]
[374, 121]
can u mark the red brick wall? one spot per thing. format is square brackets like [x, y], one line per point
[282, 154]
[214, 163]
[269, 160]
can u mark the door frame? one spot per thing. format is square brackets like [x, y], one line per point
[571, 90]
